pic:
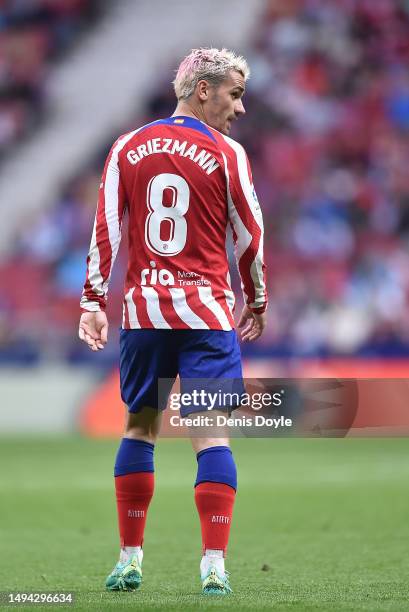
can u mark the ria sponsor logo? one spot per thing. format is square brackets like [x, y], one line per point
[153, 276]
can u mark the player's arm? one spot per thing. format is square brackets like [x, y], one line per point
[248, 232]
[106, 237]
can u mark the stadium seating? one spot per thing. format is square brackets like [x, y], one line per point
[32, 35]
[327, 132]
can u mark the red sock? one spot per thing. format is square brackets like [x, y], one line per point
[133, 494]
[214, 502]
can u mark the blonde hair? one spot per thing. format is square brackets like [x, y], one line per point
[212, 65]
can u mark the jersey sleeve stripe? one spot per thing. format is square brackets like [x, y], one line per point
[245, 183]
[107, 230]
[257, 268]
[243, 240]
[247, 224]
[243, 236]
[93, 290]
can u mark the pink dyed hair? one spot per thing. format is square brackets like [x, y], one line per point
[211, 65]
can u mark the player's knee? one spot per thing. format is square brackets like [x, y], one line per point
[141, 434]
[200, 444]
[144, 425]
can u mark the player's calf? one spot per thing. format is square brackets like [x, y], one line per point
[215, 491]
[134, 485]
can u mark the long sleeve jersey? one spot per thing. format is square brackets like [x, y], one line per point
[182, 183]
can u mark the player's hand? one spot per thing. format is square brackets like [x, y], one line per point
[253, 324]
[93, 329]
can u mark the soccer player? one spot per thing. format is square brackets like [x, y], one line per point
[182, 180]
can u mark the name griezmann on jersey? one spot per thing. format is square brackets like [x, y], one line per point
[204, 159]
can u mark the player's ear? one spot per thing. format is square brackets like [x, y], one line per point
[203, 90]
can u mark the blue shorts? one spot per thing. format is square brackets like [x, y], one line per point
[147, 355]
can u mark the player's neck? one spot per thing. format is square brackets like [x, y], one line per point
[187, 110]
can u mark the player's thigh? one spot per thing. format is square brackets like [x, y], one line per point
[146, 360]
[210, 354]
[211, 375]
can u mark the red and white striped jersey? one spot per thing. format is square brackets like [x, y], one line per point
[181, 182]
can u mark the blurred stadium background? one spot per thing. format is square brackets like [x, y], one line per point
[327, 132]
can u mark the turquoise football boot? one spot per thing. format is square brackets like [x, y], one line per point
[125, 576]
[215, 583]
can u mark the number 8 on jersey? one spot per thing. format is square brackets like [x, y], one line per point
[173, 214]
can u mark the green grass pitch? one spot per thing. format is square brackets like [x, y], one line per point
[318, 525]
